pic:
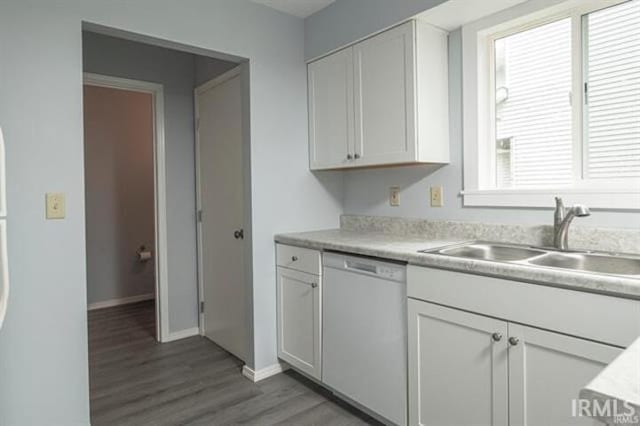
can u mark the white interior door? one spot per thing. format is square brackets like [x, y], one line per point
[221, 196]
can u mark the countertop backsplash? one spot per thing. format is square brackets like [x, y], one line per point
[617, 240]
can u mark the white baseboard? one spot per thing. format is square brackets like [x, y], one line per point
[263, 373]
[182, 334]
[122, 301]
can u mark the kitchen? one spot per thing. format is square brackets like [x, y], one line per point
[443, 223]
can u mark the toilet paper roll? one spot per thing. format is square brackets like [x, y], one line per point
[144, 256]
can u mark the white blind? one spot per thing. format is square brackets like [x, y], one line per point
[533, 107]
[613, 99]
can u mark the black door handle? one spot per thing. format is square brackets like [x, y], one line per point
[238, 234]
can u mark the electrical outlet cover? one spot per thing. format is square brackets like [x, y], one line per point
[394, 196]
[56, 208]
[436, 196]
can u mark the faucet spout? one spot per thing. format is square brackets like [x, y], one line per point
[562, 220]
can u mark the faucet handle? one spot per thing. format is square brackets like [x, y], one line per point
[559, 203]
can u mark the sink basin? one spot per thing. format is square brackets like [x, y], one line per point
[603, 264]
[597, 263]
[492, 251]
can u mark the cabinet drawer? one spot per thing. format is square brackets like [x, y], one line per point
[299, 259]
[606, 319]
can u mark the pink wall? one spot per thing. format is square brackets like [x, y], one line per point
[119, 185]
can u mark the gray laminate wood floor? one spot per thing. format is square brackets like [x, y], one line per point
[136, 381]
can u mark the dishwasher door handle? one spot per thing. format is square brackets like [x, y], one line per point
[362, 267]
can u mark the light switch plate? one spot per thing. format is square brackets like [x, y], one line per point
[56, 208]
[436, 196]
[394, 196]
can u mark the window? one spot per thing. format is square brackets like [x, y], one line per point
[561, 115]
[612, 83]
[533, 107]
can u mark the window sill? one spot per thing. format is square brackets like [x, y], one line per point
[618, 199]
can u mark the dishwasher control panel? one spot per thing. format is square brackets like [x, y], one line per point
[365, 265]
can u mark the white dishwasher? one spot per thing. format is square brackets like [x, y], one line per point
[364, 333]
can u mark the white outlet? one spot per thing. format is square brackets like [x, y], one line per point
[436, 196]
[394, 196]
[55, 205]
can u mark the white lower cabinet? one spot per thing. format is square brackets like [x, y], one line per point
[299, 320]
[457, 367]
[469, 369]
[546, 372]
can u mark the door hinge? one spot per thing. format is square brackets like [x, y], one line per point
[199, 215]
[201, 307]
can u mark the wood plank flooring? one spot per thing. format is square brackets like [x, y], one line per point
[137, 381]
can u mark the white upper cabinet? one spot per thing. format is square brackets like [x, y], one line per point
[331, 131]
[384, 98]
[383, 101]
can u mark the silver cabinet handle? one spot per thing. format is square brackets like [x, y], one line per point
[294, 258]
[349, 156]
[513, 341]
[314, 285]
[496, 337]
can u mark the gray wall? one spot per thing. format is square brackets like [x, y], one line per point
[177, 72]
[208, 68]
[43, 344]
[119, 188]
[348, 20]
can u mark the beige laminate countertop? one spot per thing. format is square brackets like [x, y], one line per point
[407, 249]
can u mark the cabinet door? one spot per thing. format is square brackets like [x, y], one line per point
[299, 298]
[385, 97]
[458, 367]
[547, 371]
[331, 130]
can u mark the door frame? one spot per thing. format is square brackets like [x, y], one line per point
[216, 81]
[160, 188]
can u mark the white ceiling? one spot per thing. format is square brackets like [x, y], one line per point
[299, 8]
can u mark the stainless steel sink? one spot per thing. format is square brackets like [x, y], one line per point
[599, 263]
[603, 264]
[491, 251]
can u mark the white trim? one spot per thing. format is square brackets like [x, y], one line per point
[3, 176]
[477, 114]
[606, 200]
[197, 92]
[121, 301]
[182, 334]
[162, 274]
[4, 271]
[263, 373]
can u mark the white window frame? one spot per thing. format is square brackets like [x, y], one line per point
[479, 112]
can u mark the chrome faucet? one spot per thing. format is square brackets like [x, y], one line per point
[562, 219]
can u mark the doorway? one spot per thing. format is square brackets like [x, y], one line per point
[125, 195]
[220, 169]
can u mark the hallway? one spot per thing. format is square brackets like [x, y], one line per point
[136, 381]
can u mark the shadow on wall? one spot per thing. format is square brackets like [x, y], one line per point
[404, 177]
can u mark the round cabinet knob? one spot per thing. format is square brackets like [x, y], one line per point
[349, 156]
[294, 258]
[513, 341]
[496, 337]
[314, 285]
[356, 155]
